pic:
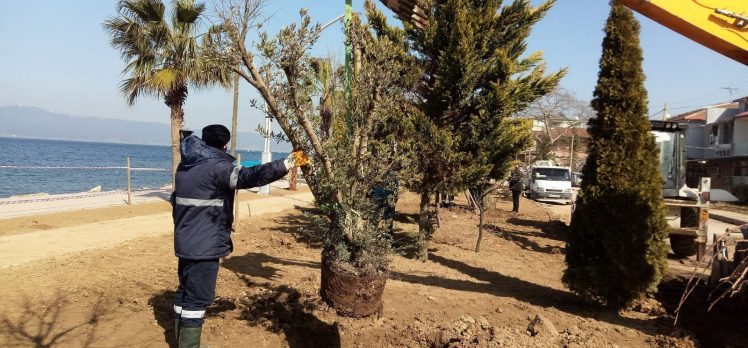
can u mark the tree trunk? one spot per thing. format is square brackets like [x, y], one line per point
[480, 227]
[177, 119]
[423, 227]
[438, 212]
[292, 181]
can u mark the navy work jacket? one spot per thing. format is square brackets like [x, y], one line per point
[204, 198]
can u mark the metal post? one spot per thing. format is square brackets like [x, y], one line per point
[236, 198]
[348, 58]
[266, 155]
[571, 152]
[129, 192]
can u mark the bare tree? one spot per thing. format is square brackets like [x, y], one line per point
[554, 113]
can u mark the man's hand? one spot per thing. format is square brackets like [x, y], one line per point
[296, 159]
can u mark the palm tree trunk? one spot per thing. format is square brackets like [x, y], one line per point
[177, 120]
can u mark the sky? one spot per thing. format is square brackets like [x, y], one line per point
[55, 55]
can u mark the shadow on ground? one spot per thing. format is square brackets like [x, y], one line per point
[280, 308]
[487, 281]
[163, 195]
[260, 265]
[553, 229]
[406, 218]
[305, 225]
[521, 239]
[497, 284]
[40, 325]
[723, 326]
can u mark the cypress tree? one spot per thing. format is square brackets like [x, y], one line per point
[476, 73]
[616, 250]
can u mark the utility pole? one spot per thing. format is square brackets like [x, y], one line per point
[571, 150]
[664, 112]
[266, 155]
[234, 116]
[348, 58]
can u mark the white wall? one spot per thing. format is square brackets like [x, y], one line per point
[719, 114]
[740, 137]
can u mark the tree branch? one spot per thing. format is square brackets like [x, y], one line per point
[303, 120]
[364, 138]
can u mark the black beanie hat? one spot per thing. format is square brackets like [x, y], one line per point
[216, 135]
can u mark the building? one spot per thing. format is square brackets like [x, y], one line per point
[717, 144]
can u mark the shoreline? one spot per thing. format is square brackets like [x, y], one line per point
[37, 204]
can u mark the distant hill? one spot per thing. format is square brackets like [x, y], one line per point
[33, 122]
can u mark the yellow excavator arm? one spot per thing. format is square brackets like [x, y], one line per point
[721, 25]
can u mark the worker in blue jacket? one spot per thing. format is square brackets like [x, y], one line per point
[203, 201]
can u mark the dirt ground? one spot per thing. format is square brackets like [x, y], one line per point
[267, 292]
[42, 222]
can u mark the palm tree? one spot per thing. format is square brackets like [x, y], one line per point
[162, 56]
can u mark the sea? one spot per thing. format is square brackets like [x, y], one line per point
[30, 166]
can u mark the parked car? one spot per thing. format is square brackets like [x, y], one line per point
[549, 183]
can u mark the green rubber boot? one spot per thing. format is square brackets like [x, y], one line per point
[189, 337]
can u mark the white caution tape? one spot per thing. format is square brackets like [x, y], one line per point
[89, 195]
[85, 168]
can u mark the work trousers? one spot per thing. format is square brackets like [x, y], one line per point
[196, 291]
[515, 200]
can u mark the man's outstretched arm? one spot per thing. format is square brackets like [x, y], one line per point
[242, 178]
[248, 177]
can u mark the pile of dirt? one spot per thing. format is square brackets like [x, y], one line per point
[469, 331]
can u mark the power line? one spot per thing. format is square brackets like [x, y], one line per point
[708, 96]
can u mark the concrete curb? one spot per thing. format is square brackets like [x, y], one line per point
[727, 219]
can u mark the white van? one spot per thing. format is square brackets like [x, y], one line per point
[549, 183]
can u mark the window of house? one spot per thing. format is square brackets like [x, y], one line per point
[713, 134]
[725, 137]
[741, 168]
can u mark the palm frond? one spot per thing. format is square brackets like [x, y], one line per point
[165, 80]
[161, 56]
[142, 10]
[134, 87]
[187, 11]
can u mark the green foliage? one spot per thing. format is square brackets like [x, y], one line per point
[370, 159]
[304, 94]
[616, 250]
[543, 148]
[475, 75]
